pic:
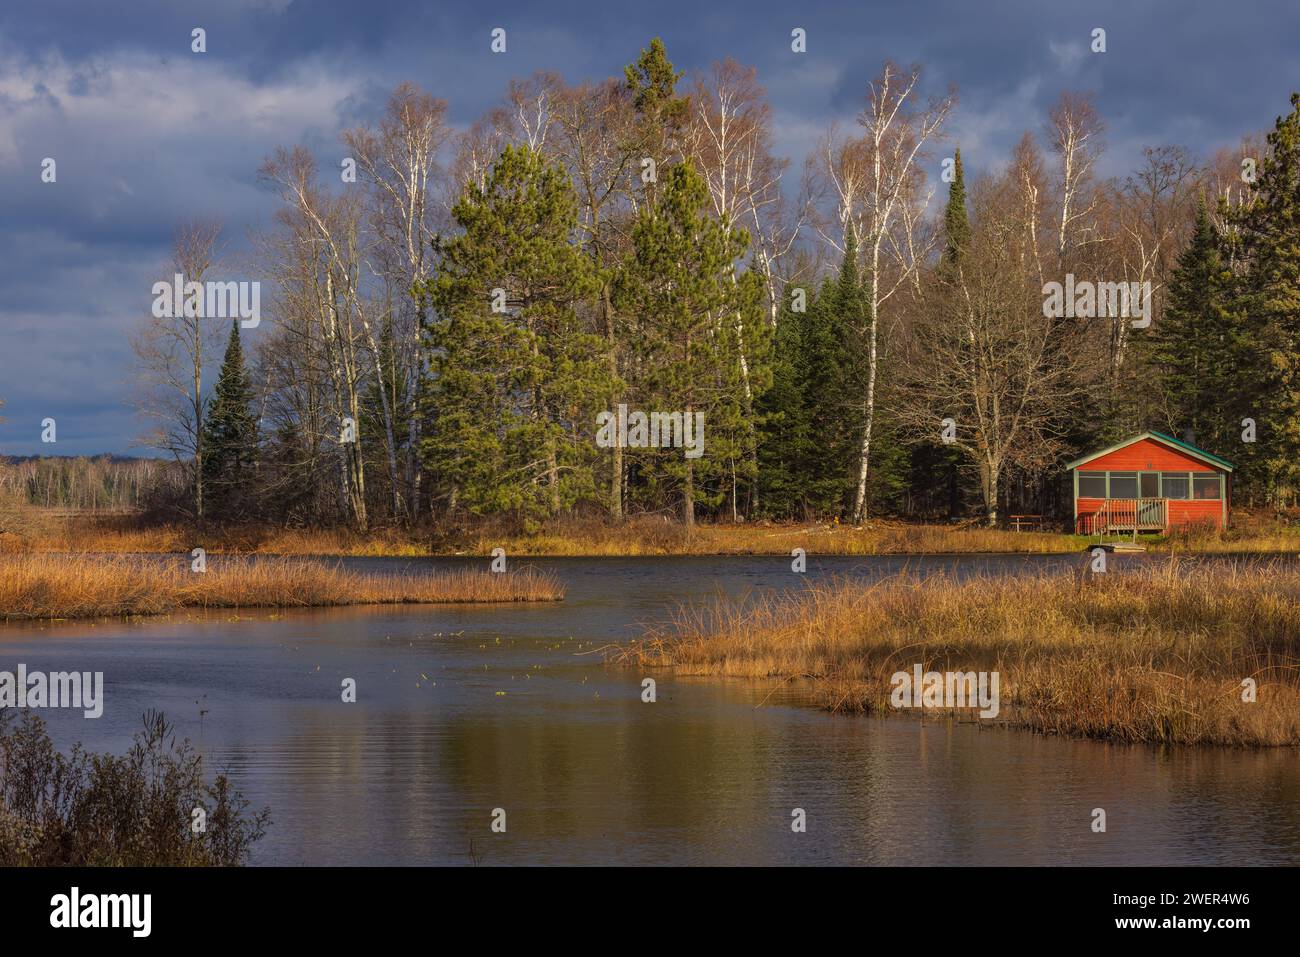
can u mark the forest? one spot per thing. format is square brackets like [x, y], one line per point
[448, 316]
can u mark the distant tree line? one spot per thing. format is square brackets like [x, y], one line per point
[102, 483]
[448, 315]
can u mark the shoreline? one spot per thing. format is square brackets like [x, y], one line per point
[636, 538]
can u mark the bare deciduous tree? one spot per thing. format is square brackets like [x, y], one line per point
[872, 177]
[327, 230]
[1153, 212]
[1075, 132]
[172, 352]
[984, 355]
[399, 161]
[728, 139]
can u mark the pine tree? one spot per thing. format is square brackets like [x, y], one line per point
[678, 281]
[230, 434]
[516, 389]
[652, 81]
[660, 115]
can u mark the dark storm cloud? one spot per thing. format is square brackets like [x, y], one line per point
[147, 134]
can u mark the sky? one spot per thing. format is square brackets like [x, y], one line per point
[147, 134]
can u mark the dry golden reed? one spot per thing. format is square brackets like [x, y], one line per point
[1155, 656]
[643, 536]
[646, 535]
[85, 586]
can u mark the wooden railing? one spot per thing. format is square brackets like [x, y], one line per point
[1127, 514]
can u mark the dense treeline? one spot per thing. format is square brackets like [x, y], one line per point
[453, 318]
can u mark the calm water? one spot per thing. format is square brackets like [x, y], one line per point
[465, 709]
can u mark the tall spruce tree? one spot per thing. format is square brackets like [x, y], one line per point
[1196, 352]
[783, 433]
[956, 223]
[679, 282]
[809, 444]
[230, 435]
[1266, 292]
[514, 376]
[935, 480]
[835, 369]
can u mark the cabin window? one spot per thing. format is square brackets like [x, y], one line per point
[1205, 486]
[1123, 485]
[1174, 484]
[1092, 485]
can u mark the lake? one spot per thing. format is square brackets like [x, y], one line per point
[465, 709]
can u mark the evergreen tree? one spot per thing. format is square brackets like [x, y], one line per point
[679, 282]
[784, 441]
[1266, 292]
[230, 434]
[956, 224]
[1195, 351]
[660, 115]
[835, 368]
[810, 446]
[515, 378]
[652, 81]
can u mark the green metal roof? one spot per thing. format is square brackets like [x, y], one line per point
[1159, 437]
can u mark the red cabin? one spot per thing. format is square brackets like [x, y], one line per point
[1150, 483]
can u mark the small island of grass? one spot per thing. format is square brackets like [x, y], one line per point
[93, 586]
[1168, 655]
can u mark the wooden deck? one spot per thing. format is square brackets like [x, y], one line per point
[1127, 515]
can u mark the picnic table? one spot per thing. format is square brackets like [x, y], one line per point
[1019, 523]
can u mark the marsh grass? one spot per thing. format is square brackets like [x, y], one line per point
[648, 535]
[1155, 656]
[645, 536]
[87, 586]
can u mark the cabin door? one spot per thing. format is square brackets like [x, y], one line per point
[1149, 488]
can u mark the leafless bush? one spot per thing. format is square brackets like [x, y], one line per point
[95, 810]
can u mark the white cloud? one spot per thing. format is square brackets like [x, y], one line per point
[138, 104]
[984, 125]
[1068, 54]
